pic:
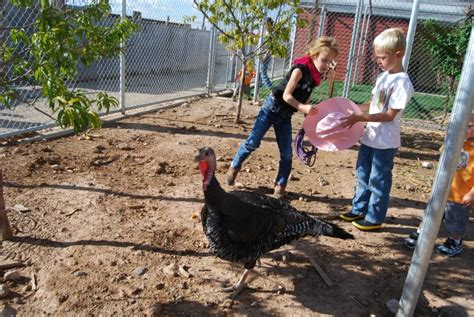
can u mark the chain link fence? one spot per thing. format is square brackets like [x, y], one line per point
[355, 24]
[167, 59]
[173, 57]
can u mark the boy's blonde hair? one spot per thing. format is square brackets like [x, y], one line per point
[323, 43]
[391, 40]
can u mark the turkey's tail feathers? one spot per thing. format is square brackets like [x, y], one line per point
[335, 231]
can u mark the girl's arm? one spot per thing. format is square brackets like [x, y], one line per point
[288, 97]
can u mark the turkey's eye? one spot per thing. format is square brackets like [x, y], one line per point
[207, 153]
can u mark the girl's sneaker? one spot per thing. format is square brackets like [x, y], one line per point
[450, 247]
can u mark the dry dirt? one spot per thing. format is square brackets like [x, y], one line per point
[111, 225]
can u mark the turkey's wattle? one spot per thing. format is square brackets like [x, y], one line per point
[241, 226]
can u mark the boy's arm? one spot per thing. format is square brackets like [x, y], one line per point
[364, 107]
[365, 117]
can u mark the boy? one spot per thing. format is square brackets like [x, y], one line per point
[460, 201]
[381, 139]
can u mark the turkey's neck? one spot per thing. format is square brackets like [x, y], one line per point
[214, 194]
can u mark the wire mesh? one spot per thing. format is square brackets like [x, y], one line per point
[355, 24]
[174, 56]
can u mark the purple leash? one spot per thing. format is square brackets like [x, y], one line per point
[306, 155]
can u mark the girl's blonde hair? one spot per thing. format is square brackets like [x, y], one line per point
[390, 40]
[323, 43]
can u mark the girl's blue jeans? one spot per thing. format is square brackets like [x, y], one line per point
[281, 122]
[373, 183]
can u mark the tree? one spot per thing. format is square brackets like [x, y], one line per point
[6, 232]
[447, 46]
[239, 24]
[46, 53]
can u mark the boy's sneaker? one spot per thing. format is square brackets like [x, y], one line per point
[366, 225]
[450, 247]
[414, 235]
[350, 216]
[410, 242]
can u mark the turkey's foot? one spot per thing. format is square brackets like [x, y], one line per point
[239, 286]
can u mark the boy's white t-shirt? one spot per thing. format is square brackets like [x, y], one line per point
[391, 91]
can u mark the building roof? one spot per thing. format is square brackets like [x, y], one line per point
[442, 10]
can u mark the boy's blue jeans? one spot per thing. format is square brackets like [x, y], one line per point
[281, 122]
[373, 183]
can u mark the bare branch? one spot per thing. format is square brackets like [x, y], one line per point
[213, 24]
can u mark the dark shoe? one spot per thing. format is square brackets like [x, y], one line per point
[450, 248]
[350, 216]
[411, 241]
[414, 235]
[366, 225]
[231, 175]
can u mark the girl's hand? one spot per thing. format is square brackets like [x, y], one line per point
[308, 109]
[468, 199]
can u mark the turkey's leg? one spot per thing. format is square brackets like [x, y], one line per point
[240, 285]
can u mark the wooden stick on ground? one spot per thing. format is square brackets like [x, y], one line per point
[321, 272]
[6, 232]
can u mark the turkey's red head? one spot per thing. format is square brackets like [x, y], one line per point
[207, 165]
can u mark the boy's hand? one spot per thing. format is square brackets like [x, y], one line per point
[468, 199]
[349, 121]
[308, 109]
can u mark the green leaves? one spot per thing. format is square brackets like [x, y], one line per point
[76, 110]
[447, 45]
[48, 53]
[239, 24]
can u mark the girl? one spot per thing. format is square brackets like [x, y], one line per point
[291, 95]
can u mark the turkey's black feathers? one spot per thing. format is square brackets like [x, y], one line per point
[241, 226]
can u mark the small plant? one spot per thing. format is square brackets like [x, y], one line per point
[447, 46]
[239, 23]
[47, 53]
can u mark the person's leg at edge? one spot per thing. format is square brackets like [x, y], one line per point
[456, 219]
[267, 83]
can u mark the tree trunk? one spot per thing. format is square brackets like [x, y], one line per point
[241, 92]
[5, 229]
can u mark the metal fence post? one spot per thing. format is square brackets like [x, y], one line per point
[411, 33]
[258, 66]
[123, 16]
[362, 39]
[355, 32]
[322, 18]
[293, 43]
[210, 67]
[461, 114]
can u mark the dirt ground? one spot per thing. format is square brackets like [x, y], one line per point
[108, 225]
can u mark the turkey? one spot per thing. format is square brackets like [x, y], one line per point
[241, 226]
